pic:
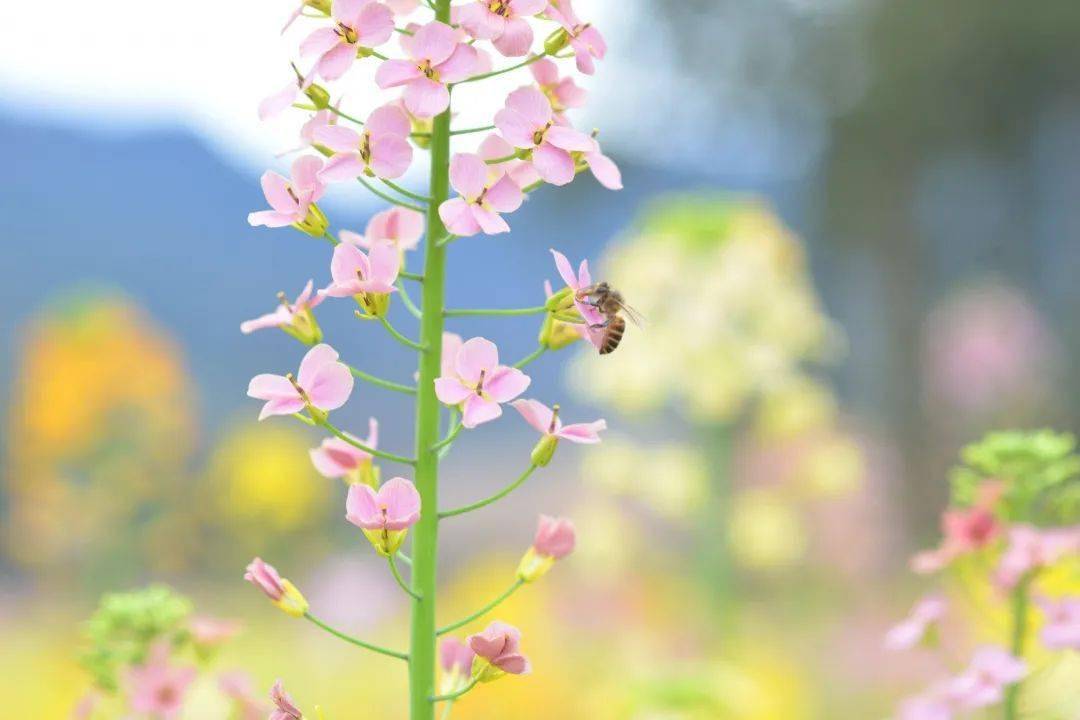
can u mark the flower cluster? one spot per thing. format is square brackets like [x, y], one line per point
[461, 384]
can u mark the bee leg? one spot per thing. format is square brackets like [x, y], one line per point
[600, 326]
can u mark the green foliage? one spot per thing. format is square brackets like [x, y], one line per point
[125, 625]
[1040, 470]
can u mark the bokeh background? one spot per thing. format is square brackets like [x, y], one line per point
[852, 226]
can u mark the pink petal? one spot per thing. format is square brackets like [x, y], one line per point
[569, 94]
[554, 165]
[348, 264]
[402, 503]
[461, 64]
[362, 507]
[393, 73]
[515, 128]
[277, 102]
[268, 386]
[506, 383]
[426, 98]
[375, 25]
[434, 42]
[388, 119]
[570, 139]
[338, 138]
[504, 196]
[276, 190]
[336, 62]
[493, 147]
[385, 261]
[279, 317]
[545, 72]
[281, 406]
[593, 41]
[450, 391]
[468, 174]
[525, 8]
[319, 42]
[305, 176]
[390, 156]
[456, 215]
[566, 270]
[330, 386]
[274, 219]
[477, 411]
[476, 355]
[343, 166]
[604, 170]
[535, 413]
[531, 104]
[516, 39]
[348, 11]
[479, 21]
[316, 358]
[488, 221]
[585, 433]
[400, 225]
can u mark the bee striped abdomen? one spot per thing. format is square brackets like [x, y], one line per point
[612, 335]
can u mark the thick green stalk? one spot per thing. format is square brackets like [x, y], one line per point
[422, 656]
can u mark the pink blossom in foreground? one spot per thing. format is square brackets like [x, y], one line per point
[336, 458]
[456, 659]
[478, 383]
[909, 633]
[546, 421]
[934, 704]
[240, 689]
[585, 40]
[562, 92]
[436, 58]
[323, 383]
[577, 283]
[499, 645]
[493, 147]
[355, 272]
[292, 201]
[156, 688]
[1061, 627]
[1031, 548]
[527, 122]
[284, 707]
[358, 24]
[483, 195]
[280, 591]
[384, 515]
[295, 318]
[401, 227]
[501, 21]
[966, 530]
[382, 149]
[991, 670]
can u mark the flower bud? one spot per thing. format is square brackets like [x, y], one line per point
[556, 41]
[562, 300]
[318, 95]
[533, 565]
[304, 327]
[555, 539]
[280, 591]
[314, 223]
[544, 450]
[556, 334]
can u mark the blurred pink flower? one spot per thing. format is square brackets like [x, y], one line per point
[240, 688]
[527, 122]
[909, 633]
[479, 383]
[934, 704]
[562, 92]
[285, 313]
[322, 383]
[965, 530]
[1030, 548]
[991, 670]
[546, 421]
[398, 226]
[210, 631]
[284, 708]
[358, 24]
[499, 645]
[382, 149]
[290, 200]
[456, 656]
[483, 195]
[355, 273]
[436, 58]
[335, 458]
[157, 688]
[555, 537]
[402, 7]
[585, 40]
[1061, 628]
[501, 21]
[264, 576]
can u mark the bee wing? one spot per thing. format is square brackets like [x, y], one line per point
[635, 317]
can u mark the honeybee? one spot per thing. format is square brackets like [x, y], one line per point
[609, 303]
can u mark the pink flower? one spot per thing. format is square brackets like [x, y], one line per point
[386, 515]
[238, 687]
[983, 683]
[456, 659]
[295, 318]
[603, 168]
[907, 634]
[586, 40]
[280, 591]
[451, 346]
[292, 202]
[357, 273]
[1061, 629]
[577, 283]
[398, 226]
[527, 122]
[494, 147]
[546, 421]
[554, 537]
[319, 119]
[381, 150]
[499, 645]
[436, 58]
[501, 21]
[479, 383]
[563, 93]
[209, 631]
[277, 103]
[323, 383]
[1030, 549]
[335, 458]
[483, 195]
[935, 704]
[359, 24]
[156, 688]
[966, 530]
[285, 709]
[402, 7]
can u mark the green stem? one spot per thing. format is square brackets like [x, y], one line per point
[407, 301]
[504, 158]
[397, 576]
[469, 131]
[487, 501]
[411, 276]
[407, 193]
[387, 384]
[366, 448]
[388, 198]
[401, 338]
[455, 695]
[356, 641]
[496, 312]
[450, 437]
[512, 68]
[530, 357]
[482, 611]
[404, 558]
[425, 534]
[329, 237]
[446, 710]
[1020, 601]
[340, 114]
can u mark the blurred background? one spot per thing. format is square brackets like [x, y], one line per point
[851, 225]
